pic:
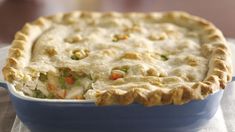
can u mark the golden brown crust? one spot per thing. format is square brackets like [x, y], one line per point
[214, 46]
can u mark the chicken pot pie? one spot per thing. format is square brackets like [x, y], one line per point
[119, 58]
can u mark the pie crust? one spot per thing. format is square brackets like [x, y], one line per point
[211, 69]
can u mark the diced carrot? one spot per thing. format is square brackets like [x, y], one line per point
[51, 87]
[115, 76]
[79, 97]
[69, 80]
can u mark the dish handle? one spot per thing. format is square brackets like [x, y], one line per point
[3, 85]
[233, 78]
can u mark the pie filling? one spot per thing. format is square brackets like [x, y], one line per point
[65, 84]
[79, 60]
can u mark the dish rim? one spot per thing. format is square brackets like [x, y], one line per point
[10, 88]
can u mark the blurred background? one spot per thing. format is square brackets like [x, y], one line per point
[14, 13]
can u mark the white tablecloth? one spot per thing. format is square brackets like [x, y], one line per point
[223, 121]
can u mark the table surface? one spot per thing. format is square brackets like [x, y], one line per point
[7, 113]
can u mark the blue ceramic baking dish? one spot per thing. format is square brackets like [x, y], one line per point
[41, 115]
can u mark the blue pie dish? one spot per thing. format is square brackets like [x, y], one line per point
[44, 115]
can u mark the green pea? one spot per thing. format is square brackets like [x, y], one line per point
[51, 96]
[164, 57]
[43, 77]
[38, 94]
[74, 57]
[62, 83]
